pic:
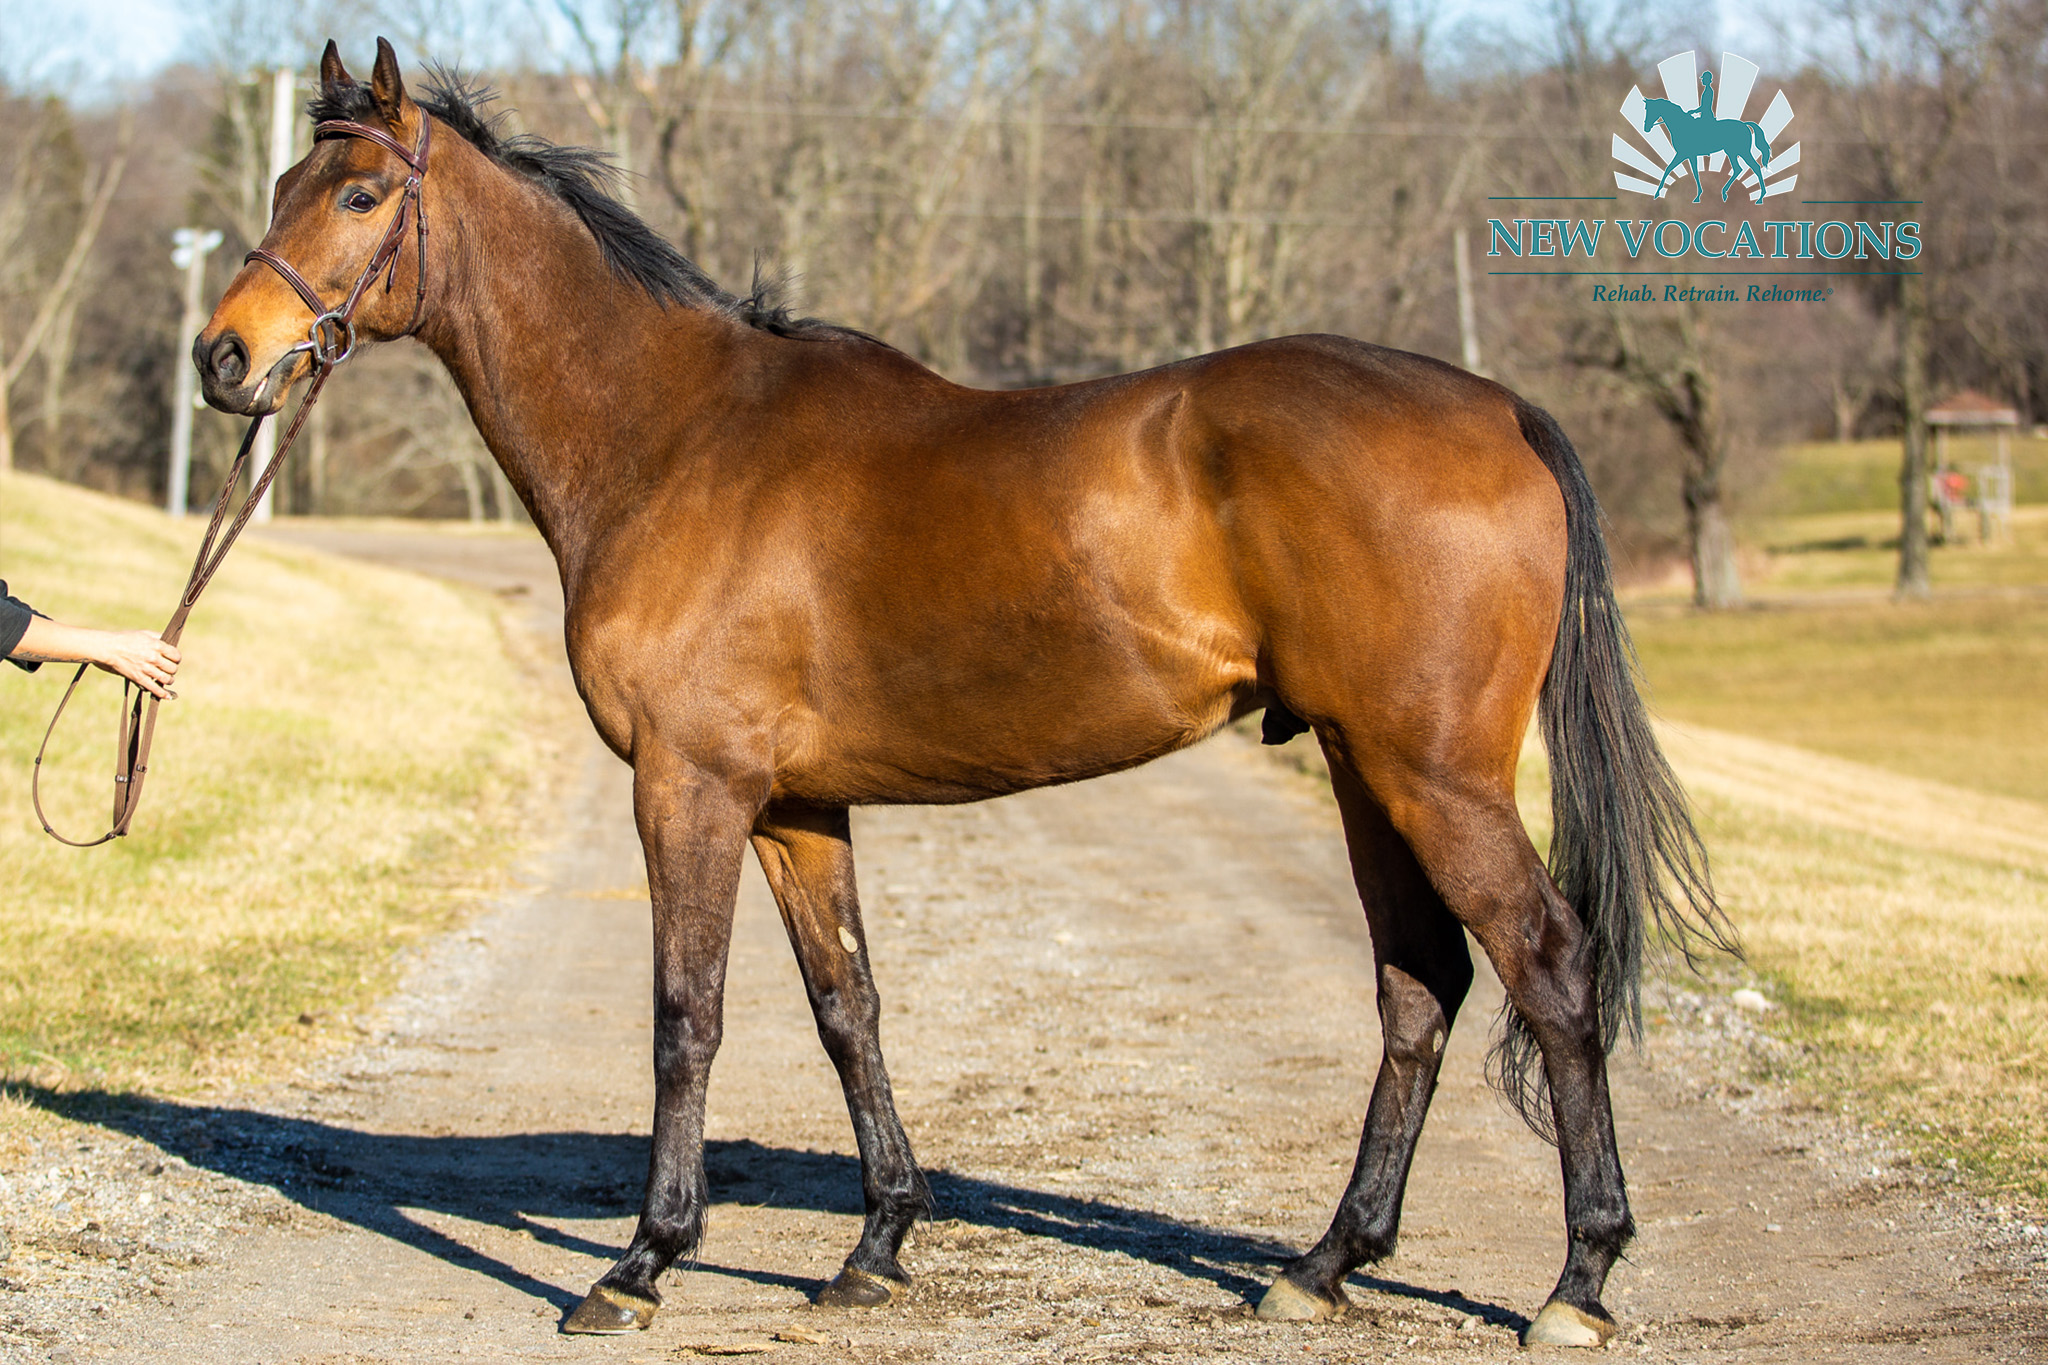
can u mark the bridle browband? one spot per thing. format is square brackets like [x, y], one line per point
[329, 341]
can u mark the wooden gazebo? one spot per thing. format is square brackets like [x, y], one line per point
[1993, 493]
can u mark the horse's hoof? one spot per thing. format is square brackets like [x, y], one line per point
[1287, 1301]
[852, 1288]
[606, 1311]
[1560, 1324]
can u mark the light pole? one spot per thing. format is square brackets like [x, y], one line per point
[189, 252]
[283, 121]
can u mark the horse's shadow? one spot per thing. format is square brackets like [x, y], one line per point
[377, 1181]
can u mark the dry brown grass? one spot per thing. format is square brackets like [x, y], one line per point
[338, 778]
[1904, 926]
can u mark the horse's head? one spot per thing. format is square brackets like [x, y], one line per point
[1657, 111]
[330, 214]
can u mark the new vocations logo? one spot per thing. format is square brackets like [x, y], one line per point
[1696, 121]
[1699, 130]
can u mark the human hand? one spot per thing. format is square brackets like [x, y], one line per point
[141, 656]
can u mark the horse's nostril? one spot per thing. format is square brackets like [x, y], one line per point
[230, 359]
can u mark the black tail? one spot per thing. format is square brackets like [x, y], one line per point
[1623, 848]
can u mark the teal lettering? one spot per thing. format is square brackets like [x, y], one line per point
[1777, 231]
[1543, 237]
[1745, 242]
[1866, 238]
[1633, 241]
[1580, 236]
[1684, 237]
[1806, 239]
[1699, 238]
[1906, 244]
[1820, 239]
[1502, 237]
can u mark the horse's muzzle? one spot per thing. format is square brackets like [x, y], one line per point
[224, 375]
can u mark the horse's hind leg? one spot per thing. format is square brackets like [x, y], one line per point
[1466, 834]
[1424, 970]
[807, 852]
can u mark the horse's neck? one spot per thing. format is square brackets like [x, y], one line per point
[561, 362]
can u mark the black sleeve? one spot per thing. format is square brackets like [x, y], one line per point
[14, 618]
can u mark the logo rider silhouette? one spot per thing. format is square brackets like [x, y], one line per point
[1705, 112]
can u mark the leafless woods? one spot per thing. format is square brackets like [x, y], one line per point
[1031, 191]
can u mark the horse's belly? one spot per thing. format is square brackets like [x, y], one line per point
[1013, 729]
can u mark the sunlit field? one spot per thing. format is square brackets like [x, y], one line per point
[1873, 780]
[339, 778]
[1953, 690]
[1863, 476]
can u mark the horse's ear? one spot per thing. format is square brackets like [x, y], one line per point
[387, 87]
[333, 75]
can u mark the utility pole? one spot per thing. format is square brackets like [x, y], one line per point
[283, 123]
[1468, 323]
[189, 252]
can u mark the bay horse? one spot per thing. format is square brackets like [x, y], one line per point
[803, 573]
[1692, 138]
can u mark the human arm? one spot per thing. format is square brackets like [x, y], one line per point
[140, 656]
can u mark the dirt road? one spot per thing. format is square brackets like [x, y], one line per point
[1132, 1032]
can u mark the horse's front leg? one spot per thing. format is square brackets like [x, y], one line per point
[807, 852]
[693, 825]
[1665, 178]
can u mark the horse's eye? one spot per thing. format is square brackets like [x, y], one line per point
[359, 201]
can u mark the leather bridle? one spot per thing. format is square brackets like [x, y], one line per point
[329, 341]
[332, 337]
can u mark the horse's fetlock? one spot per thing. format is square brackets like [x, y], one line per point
[1608, 1231]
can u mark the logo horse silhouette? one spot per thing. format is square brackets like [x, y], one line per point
[1695, 137]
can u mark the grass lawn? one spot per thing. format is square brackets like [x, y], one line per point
[339, 777]
[1834, 551]
[1955, 689]
[1903, 926]
[1863, 476]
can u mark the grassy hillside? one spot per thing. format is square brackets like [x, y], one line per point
[337, 776]
[1951, 690]
[1863, 476]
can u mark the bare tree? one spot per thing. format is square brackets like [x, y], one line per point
[48, 301]
[1913, 73]
[1681, 381]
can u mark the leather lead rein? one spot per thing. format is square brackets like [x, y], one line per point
[329, 341]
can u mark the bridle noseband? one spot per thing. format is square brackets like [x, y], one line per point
[332, 337]
[330, 340]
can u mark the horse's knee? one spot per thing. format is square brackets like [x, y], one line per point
[685, 1043]
[1415, 1017]
[847, 1009]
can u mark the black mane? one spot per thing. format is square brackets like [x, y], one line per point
[585, 180]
